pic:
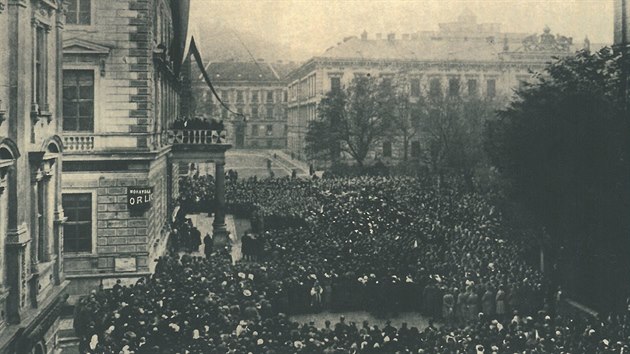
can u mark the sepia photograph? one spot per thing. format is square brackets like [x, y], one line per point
[314, 176]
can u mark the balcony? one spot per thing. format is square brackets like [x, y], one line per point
[196, 137]
[192, 140]
[198, 145]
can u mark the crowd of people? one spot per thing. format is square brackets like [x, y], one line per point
[385, 245]
[198, 124]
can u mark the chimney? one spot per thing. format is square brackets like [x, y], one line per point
[364, 35]
[391, 37]
[405, 36]
[379, 36]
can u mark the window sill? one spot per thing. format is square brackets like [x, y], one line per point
[76, 255]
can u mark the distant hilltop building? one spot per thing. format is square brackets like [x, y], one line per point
[254, 89]
[478, 57]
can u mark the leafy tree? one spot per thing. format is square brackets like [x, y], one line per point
[351, 120]
[451, 130]
[563, 147]
[406, 112]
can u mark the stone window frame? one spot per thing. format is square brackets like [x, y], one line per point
[94, 221]
[99, 125]
[92, 25]
[487, 79]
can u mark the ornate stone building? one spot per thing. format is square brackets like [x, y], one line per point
[462, 57]
[121, 92]
[256, 90]
[32, 282]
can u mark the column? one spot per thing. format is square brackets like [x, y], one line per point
[219, 233]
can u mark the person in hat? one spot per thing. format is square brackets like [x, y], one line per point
[208, 245]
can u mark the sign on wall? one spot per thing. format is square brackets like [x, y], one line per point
[139, 199]
[127, 264]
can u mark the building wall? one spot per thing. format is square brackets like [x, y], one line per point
[310, 84]
[619, 14]
[129, 45]
[32, 279]
[255, 127]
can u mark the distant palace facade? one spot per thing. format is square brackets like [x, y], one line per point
[257, 92]
[463, 56]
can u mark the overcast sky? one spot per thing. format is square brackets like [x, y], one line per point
[308, 27]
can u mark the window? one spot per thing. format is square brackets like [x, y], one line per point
[335, 84]
[239, 96]
[254, 97]
[387, 82]
[415, 149]
[435, 88]
[224, 113]
[77, 230]
[40, 77]
[387, 149]
[254, 112]
[415, 87]
[491, 89]
[269, 112]
[78, 100]
[225, 96]
[79, 12]
[472, 87]
[269, 144]
[41, 227]
[453, 87]
[239, 111]
[286, 94]
[254, 130]
[270, 97]
[269, 130]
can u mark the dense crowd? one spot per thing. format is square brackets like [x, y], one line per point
[385, 245]
[198, 124]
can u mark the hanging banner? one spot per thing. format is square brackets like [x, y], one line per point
[139, 199]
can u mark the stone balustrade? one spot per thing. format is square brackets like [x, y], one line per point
[196, 137]
[78, 142]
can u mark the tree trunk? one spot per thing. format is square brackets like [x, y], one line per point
[405, 147]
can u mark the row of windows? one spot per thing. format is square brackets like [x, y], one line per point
[435, 86]
[306, 88]
[254, 112]
[254, 96]
[256, 130]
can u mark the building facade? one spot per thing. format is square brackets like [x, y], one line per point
[121, 92]
[622, 30]
[32, 281]
[255, 90]
[462, 57]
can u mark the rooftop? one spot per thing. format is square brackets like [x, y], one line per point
[252, 71]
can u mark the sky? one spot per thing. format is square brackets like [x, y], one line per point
[308, 27]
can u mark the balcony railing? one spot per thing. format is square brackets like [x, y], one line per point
[197, 137]
[78, 142]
